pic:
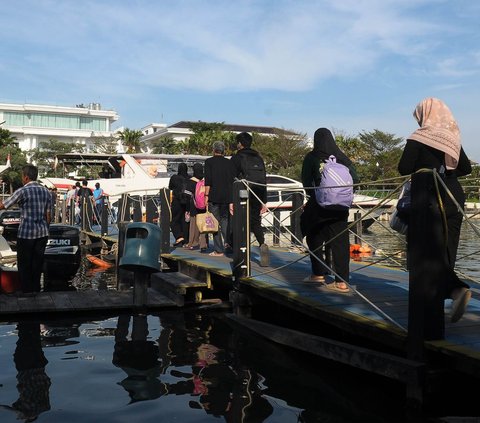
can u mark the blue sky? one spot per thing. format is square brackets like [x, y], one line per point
[348, 65]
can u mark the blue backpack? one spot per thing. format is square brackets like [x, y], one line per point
[335, 190]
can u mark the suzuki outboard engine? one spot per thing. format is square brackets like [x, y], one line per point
[62, 254]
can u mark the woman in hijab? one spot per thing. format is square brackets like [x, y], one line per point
[321, 225]
[195, 240]
[437, 145]
[177, 185]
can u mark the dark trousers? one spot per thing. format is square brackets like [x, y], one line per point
[30, 255]
[340, 248]
[256, 219]
[222, 214]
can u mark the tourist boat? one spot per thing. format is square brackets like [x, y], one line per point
[136, 174]
[145, 174]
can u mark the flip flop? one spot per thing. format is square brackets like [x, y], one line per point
[459, 305]
[334, 286]
[215, 254]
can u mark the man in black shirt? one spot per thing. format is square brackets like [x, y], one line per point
[219, 175]
[249, 165]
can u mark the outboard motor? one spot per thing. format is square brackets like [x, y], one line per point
[10, 221]
[62, 254]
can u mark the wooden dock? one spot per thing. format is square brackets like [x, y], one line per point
[375, 311]
[78, 301]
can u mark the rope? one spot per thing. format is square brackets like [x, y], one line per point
[316, 257]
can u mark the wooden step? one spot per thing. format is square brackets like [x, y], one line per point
[179, 287]
[74, 301]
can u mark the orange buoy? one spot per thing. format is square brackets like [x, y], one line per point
[98, 262]
[355, 248]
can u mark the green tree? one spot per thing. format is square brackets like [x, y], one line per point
[131, 140]
[283, 153]
[105, 145]
[205, 134]
[11, 177]
[167, 145]
[45, 155]
[384, 152]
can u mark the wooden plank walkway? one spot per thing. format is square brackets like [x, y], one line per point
[78, 301]
[358, 312]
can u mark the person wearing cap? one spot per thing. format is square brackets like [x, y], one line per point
[98, 198]
[219, 175]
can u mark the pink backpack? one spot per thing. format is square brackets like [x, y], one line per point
[199, 199]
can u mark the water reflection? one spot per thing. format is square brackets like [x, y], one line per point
[220, 384]
[138, 358]
[33, 383]
[179, 365]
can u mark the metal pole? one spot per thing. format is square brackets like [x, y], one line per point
[165, 220]
[241, 233]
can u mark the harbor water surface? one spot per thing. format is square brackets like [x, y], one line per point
[181, 366]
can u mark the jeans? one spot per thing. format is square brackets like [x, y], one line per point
[221, 213]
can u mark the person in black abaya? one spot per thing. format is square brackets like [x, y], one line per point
[320, 225]
[178, 225]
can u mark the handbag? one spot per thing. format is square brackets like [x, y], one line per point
[399, 217]
[207, 223]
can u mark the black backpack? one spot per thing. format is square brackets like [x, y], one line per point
[253, 168]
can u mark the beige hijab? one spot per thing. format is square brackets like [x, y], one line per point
[438, 129]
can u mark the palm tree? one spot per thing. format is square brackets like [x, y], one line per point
[131, 139]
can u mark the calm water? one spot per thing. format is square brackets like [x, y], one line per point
[183, 367]
[384, 243]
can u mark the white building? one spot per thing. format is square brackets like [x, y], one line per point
[32, 124]
[180, 131]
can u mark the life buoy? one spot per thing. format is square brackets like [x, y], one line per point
[355, 248]
[98, 262]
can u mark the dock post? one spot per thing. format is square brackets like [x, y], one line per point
[276, 227]
[71, 216]
[137, 208]
[241, 234]
[124, 208]
[150, 210]
[63, 204]
[141, 280]
[241, 249]
[104, 219]
[297, 203]
[123, 280]
[357, 230]
[165, 247]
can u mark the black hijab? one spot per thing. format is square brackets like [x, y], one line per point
[183, 170]
[198, 171]
[324, 146]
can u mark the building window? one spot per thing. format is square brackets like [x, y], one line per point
[51, 120]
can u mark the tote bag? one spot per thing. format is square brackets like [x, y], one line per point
[206, 223]
[399, 218]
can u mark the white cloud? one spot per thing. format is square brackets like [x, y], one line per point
[216, 45]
